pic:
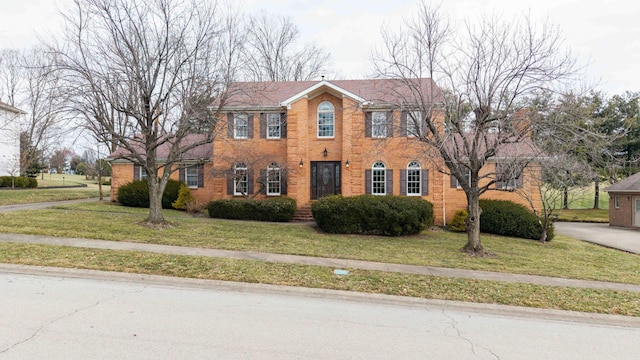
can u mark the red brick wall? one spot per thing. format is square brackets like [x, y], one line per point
[623, 215]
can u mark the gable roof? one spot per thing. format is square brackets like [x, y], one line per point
[279, 94]
[630, 184]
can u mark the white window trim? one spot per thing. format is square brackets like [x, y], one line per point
[235, 126]
[416, 167]
[186, 176]
[616, 201]
[269, 115]
[333, 124]
[378, 130]
[382, 167]
[413, 123]
[274, 168]
[237, 183]
[143, 173]
[468, 180]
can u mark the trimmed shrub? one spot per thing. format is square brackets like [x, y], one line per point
[369, 214]
[278, 209]
[457, 223]
[136, 194]
[184, 196]
[22, 182]
[510, 219]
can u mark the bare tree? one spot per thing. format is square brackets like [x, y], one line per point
[155, 69]
[28, 83]
[274, 53]
[487, 72]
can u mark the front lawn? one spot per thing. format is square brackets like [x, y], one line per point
[30, 196]
[562, 257]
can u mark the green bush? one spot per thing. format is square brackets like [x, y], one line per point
[136, 194]
[510, 219]
[184, 196]
[279, 209]
[457, 223]
[18, 182]
[368, 214]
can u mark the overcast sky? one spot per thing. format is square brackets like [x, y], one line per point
[605, 35]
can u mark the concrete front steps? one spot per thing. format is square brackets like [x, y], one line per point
[303, 214]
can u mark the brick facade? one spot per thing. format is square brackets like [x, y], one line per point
[352, 142]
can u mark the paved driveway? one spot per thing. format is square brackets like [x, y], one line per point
[602, 234]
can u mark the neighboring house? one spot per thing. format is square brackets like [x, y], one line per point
[624, 202]
[10, 118]
[311, 139]
[193, 167]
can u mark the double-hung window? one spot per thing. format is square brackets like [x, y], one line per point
[326, 120]
[273, 179]
[274, 127]
[379, 179]
[468, 178]
[414, 180]
[143, 173]
[240, 126]
[414, 122]
[378, 124]
[241, 180]
[191, 176]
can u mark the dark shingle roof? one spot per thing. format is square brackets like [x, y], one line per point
[201, 152]
[376, 91]
[630, 184]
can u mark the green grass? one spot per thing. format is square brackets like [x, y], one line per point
[563, 257]
[29, 196]
[583, 215]
[479, 291]
[48, 180]
[583, 198]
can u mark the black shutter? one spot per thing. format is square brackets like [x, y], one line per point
[265, 178]
[250, 126]
[404, 118]
[136, 172]
[425, 182]
[283, 183]
[389, 123]
[263, 125]
[389, 179]
[230, 182]
[367, 124]
[181, 174]
[367, 182]
[201, 175]
[403, 181]
[230, 125]
[453, 182]
[283, 125]
[250, 181]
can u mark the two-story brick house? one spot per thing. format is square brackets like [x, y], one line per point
[311, 139]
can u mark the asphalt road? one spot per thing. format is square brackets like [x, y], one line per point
[72, 316]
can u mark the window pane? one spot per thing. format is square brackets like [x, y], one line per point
[241, 184]
[325, 120]
[378, 124]
[378, 179]
[191, 176]
[241, 126]
[413, 119]
[273, 126]
[273, 180]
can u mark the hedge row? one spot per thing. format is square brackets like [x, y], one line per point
[279, 209]
[369, 214]
[136, 194]
[510, 219]
[19, 182]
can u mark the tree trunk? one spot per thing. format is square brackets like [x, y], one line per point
[473, 246]
[100, 186]
[565, 199]
[596, 198]
[155, 202]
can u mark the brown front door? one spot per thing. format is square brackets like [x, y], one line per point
[325, 178]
